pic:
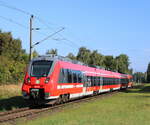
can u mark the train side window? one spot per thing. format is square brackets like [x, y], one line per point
[116, 82]
[92, 81]
[61, 77]
[91, 77]
[98, 81]
[104, 81]
[74, 76]
[65, 74]
[80, 77]
[69, 76]
[108, 81]
[84, 80]
[77, 75]
[89, 81]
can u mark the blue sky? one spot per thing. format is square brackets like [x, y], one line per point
[110, 26]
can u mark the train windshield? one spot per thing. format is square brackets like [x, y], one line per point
[41, 68]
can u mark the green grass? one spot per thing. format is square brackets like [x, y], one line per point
[126, 108]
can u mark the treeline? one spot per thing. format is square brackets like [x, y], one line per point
[13, 59]
[141, 77]
[94, 58]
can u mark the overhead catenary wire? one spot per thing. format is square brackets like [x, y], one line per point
[14, 22]
[4, 4]
[48, 37]
[26, 28]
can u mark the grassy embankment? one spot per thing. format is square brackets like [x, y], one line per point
[10, 97]
[126, 108]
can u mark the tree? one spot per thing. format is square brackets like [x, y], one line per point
[52, 51]
[96, 58]
[13, 59]
[139, 77]
[10, 47]
[71, 56]
[109, 62]
[84, 55]
[35, 54]
[148, 73]
[122, 63]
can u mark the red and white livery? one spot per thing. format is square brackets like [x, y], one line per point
[57, 78]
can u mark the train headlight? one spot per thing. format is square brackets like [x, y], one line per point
[47, 80]
[28, 80]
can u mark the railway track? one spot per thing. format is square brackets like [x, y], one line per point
[25, 112]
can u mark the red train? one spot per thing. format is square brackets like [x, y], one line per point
[57, 78]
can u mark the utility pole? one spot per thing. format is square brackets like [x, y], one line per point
[31, 29]
[30, 55]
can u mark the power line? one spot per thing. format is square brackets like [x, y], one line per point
[19, 24]
[14, 22]
[2, 3]
[48, 37]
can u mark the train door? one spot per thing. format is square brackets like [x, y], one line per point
[101, 84]
[86, 84]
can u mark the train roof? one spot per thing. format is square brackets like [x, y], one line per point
[65, 60]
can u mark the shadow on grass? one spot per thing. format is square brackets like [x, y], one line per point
[11, 103]
[139, 89]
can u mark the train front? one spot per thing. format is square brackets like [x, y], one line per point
[36, 86]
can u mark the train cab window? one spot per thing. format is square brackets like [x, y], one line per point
[40, 68]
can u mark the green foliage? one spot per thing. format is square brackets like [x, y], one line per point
[52, 51]
[71, 56]
[139, 77]
[84, 55]
[110, 63]
[35, 54]
[96, 58]
[13, 59]
[120, 63]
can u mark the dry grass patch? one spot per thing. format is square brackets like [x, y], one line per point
[7, 91]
